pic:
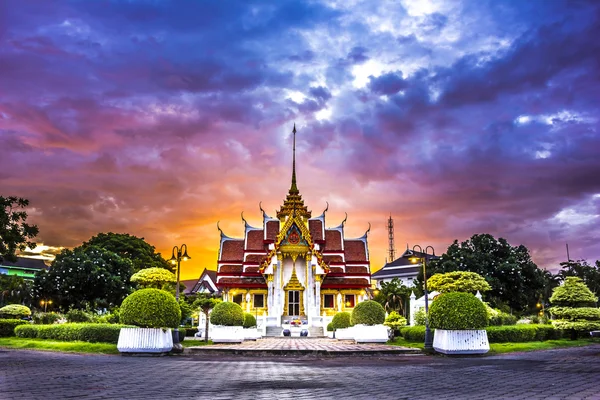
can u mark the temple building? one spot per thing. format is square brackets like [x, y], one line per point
[293, 267]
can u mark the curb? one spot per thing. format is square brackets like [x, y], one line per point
[207, 351]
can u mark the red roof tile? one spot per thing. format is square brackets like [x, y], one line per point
[333, 240]
[255, 258]
[255, 240]
[315, 227]
[251, 270]
[272, 230]
[242, 282]
[333, 259]
[336, 270]
[331, 282]
[357, 270]
[230, 269]
[233, 250]
[355, 250]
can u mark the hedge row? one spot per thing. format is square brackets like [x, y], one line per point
[497, 334]
[108, 333]
[522, 333]
[7, 326]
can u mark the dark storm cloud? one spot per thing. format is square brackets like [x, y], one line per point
[463, 118]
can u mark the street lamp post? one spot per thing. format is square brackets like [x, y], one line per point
[423, 258]
[178, 254]
[45, 303]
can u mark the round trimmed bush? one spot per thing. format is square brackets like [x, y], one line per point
[330, 327]
[150, 308]
[458, 311]
[15, 311]
[153, 277]
[368, 312]
[249, 320]
[341, 320]
[228, 314]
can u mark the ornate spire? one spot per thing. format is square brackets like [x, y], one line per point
[294, 188]
[293, 204]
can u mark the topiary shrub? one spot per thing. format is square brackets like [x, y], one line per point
[574, 306]
[155, 278]
[341, 320]
[330, 327]
[75, 315]
[7, 326]
[368, 312]
[420, 317]
[395, 321]
[457, 311]
[228, 314]
[150, 308]
[46, 318]
[15, 311]
[458, 281]
[249, 321]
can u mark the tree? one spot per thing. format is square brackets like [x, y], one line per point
[157, 278]
[393, 296]
[15, 234]
[85, 277]
[141, 253]
[590, 274]
[14, 289]
[206, 303]
[515, 280]
[574, 306]
[458, 281]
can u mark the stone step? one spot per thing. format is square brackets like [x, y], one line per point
[275, 331]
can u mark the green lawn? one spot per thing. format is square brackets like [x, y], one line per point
[499, 348]
[74, 347]
[195, 343]
[57, 345]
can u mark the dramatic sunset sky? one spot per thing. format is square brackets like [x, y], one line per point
[161, 118]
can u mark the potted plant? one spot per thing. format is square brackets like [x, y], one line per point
[459, 320]
[368, 318]
[342, 325]
[227, 319]
[155, 312]
[250, 329]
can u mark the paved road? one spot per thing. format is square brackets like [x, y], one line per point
[553, 374]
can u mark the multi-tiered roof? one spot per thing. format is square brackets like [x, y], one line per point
[242, 261]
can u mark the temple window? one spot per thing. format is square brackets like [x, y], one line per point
[238, 298]
[328, 301]
[350, 300]
[259, 300]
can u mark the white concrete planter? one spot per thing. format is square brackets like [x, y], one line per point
[145, 340]
[461, 341]
[251, 334]
[345, 333]
[226, 334]
[370, 333]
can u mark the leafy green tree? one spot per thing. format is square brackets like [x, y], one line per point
[206, 303]
[84, 277]
[458, 281]
[393, 296]
[590, 274]
[15, 233]
[514, 278]
[137, 250]
[574, 306]
[14, 289]
[186, 309]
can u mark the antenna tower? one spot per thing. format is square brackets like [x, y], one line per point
[392, 250]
